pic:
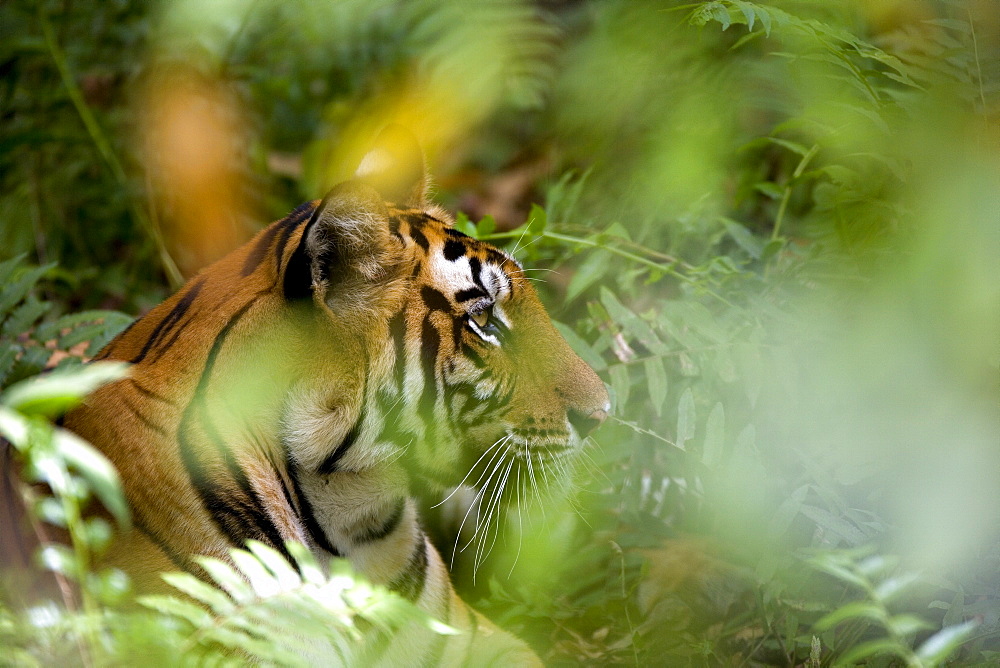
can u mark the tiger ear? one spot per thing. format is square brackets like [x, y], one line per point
[346, 251]
[395, 167]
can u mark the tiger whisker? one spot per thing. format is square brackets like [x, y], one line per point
[523, 270]
[488, 512]
[479, 526]
[520, 525]
[534, 484]
[496, 510]
[533, 241]
[471, 469]
[481, 492]
[520, 239]
[458, 536]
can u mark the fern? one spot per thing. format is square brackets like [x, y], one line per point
[28, 343]
[280, 613]
[887, 634]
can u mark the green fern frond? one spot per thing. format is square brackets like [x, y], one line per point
[278, 612]
[28, 342]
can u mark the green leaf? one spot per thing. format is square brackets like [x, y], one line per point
[200, 591]
[952, 24]
[685, 418]
[24, 316]
[54, 394]
[14, 292]
[591, 270]
[486, 225]
[276, 564]
[537, 221]
[621, 383]
[907, 625]
[853, 610]
[715, 436]
[940, 646]
[8, 357]
[771, 190]
[841, 573]
[656, 382]
[633, 325]
[889, 588]
[7, 267]
[227, 578]
[785, 515]
[464, 225]
[765, 20]
[308, 568]
[831, 522]
[748, 12]
[60, 559]
[869, 649]
[171, 605]
[744, 238]
[792, 146]
[100, 474]
[772, 248]
[956, 609]
[263, 583]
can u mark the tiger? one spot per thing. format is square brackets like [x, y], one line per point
[299, 388]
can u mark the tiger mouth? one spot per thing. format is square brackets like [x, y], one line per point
[530, 443]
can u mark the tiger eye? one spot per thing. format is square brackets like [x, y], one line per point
[481, 319]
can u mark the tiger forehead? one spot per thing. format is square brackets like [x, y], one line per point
[427, 231]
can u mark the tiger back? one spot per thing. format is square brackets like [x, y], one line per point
[298, 388]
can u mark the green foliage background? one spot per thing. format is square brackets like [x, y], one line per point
[774, 229]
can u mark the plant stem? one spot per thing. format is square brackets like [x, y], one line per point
[667, 268]
[103, 146]
[975, 54]
[788, 189]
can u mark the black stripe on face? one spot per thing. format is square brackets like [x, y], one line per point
[457, 325]
[435, 299]
[419, 238]
[430, 346]
[453, 250]
[471, 293]
[394, 224]
[473, 356]
[164, 326]
[452, 232]
[495, 257]
[410, 583]
[329, 464]
[430, 341]
[415, 219]
[397, 331]
[476, 267]
[374, 533]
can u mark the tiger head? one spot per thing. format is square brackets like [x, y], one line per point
[464, 367]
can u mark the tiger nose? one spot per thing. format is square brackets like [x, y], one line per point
[584, 423]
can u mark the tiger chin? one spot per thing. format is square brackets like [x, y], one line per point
[301, 386]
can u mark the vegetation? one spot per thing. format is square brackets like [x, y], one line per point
[772, 227]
